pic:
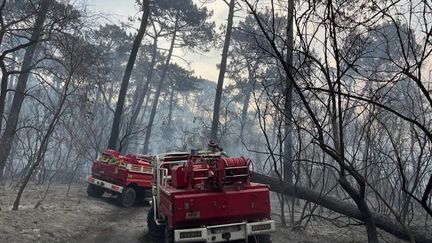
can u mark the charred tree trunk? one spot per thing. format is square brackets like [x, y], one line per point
[8, 136]
[367, 217]
[218, 97]
[343, 207]
[137, 104]
[3, 91]
[146, 105]
[115, 130]
[5, 73]
[139, 97]
[158, 90]
[287, 110]
[288, 143]
[171, 104]
[249, 88]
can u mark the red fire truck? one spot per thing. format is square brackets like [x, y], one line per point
[208, 197]
[129, 177]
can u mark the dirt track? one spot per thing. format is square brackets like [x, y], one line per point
[125, 225]
[79, 218]
[76, 218]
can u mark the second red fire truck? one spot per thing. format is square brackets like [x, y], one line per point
[129, 177]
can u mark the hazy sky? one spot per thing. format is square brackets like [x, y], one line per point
[203, 64]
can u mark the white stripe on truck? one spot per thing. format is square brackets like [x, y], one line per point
[104, 184]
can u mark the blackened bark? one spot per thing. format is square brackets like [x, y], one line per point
[248, 92]
[219, 88]
[3, 91]
[170, 109]
[366, 214]
[288, 143]
[115, 130]
[137, 104]
[158, 90]
[421, 235]
[8, 136]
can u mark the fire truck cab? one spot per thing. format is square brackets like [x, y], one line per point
[129, 177]
[208, 197]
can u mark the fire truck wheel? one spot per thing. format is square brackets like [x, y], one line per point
[155, 231]
[168, 236]
[259, 239]
[94, 191]
[127, 198]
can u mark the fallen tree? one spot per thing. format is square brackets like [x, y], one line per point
[343, 207]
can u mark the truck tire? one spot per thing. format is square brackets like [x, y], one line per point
[168, 236]
[94, 191]
[127, 198]
[155, 231]
[260, 239]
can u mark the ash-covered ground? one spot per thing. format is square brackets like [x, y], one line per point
[77, 218]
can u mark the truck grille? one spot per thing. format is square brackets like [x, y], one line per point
[221, 230]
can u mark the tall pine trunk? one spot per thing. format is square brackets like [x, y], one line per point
[219, 88]
[136, 107]
[4, 72]
[3, 89]
[288, 92]
[115, 130]
[141, 92]
[288, 143]
[246, 101]
[158, 90]
[171, 104]
[8, 136]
